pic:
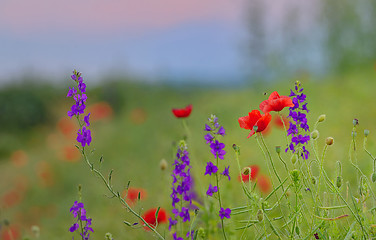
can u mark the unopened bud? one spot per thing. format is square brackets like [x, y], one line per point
[313, 180]
[246, 171]
[373, 177]
[329, 141]
[294, 157]
[297, 230]
[315, 134]
[108, 236]
[366, 132]
[278, 149]
[295, 176]
[236, 148]
[260, 215]
[339, 181]
[321, 118]
[355, 122]
[35, 230]
[163, 164]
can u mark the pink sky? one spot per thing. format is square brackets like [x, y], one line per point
[23, 17]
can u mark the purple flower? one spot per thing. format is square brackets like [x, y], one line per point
[84, 136]
[82, 86]
[79, 212]
[211, 168]
[72, 91]
[209, 138]
[217, 149]
[221, 131]
[226, 172]
[176, 237]
[211, 190]
[207, 128]
[74, 227]
[171, 223]
[184, 214]
[225, 213]
[86, 119]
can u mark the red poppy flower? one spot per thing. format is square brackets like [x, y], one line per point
[182, 112]
[264, 184]
[255, 118]
[278, 122]
[254, 172]
[132, 195]
[276, 103]
[11, 233]
[149, 217]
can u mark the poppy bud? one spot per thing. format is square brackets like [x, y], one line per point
[329, 141]
[163, 164]
[260, 215]
[236, 148]
[35, 230]
[246, 171]
[315, 134]
[355, 122]
[278, 149]
[366, 132]
[295, 176]
[373, 177]
[321, 118]
[108, 236]
[294, 158]
[339, 181]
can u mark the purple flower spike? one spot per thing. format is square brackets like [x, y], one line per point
[217, 149]
[225, 213]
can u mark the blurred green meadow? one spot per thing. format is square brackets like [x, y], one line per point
[133, 128]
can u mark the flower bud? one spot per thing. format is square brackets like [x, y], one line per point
[315, 134]
[366, 132]
[295, 176]
[260, 215]
[313, 180]
[246, 171]
[163, 164]
[35, 230]
[294, 157]
[278, 149]
[339, 181]
[297, 230]
[355, 122]
[321, 118]
[329, 141]
[373, 177]
[108, 236]
[236, 148]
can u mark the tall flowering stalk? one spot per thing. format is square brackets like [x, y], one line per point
[83, 223]
[84, 138]
[298, 128]
[214, 130]
[181, 189]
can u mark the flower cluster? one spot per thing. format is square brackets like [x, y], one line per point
[214, 130]
[79, 212]
[83, 134]
[181, 185]
[299, 121]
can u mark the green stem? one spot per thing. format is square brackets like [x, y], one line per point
[220, 203]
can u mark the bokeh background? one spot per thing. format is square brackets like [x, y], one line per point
[142, 58]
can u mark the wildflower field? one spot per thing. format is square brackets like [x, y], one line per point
[293, 159]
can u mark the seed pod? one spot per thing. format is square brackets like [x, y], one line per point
[278, 149]
[366, 132]
[321, 118]
[355, 122]
[246, 171]
[339, 181]
[329, 141]
[260, 215]
[315, 134]
[373, 177]
[255, 128]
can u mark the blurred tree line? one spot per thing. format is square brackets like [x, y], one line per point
[290, 37]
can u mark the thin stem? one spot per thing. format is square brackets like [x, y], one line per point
[220, 203]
